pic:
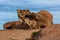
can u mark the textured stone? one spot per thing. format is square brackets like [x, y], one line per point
[35, 20]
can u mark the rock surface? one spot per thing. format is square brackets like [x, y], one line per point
[16, 34]
[41, 22]
[11, 25]
[50, 33]
[15, 25]
[47, 16]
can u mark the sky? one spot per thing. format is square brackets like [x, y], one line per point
[8, 9]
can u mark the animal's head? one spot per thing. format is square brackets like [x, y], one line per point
[22, 13]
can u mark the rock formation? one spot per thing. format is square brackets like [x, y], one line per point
[30, 20]
[11, 25]
[42, 21]
[15, 25]
[21, 14]
[49, 33]
[48, 16]
[44, 18]
[35, 20]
